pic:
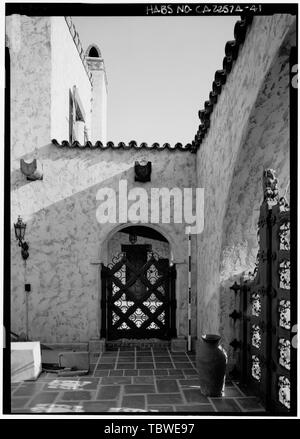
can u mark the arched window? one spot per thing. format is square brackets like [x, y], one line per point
[93, 52]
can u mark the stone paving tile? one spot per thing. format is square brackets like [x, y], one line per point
[28, 389]
[131, 372]
[145, 366]
[98, 406]
[126, 360]
[162, 360]
[108, 392]
[133, 401]
[189, 383]
[160, 372]
[105, 366]
[164, 365]
[43, 398]
[115, 380]
[232, 391]
[139, 388]
[145, 372]
[147, 353]
[116, 373]
[106, 360]
[194, 395]
[76, 395]
[161, 408]
[60, 407]
[164, 386]
[101, 373]
[21, 411]
[139, 375]
[144, 360]
[225, 404]
[19, 402]
[143, 380]
[183, 365]
[250, 404]
[180, 360]
[176, 372]
[109, 354]
[125, 366]
[190, 372]
[88, 384]
[196, 408]
[164, 399]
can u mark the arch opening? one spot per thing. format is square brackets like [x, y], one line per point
[139, 285]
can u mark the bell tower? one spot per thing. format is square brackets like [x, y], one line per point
[96, 66]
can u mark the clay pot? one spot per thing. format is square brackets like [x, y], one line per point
[211, 362]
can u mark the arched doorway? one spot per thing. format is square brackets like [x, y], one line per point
[138, 286]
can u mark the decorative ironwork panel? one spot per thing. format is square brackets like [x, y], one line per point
[285, 274]
[284, 348]
[284, 236]
[284, 310]
[284, 391]
[256, 304]
[140, 296]
[256, 368]
[256, 336]
[267, 357]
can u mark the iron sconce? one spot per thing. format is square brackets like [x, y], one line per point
[20, 228]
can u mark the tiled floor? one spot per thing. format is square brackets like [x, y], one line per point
[124, 380]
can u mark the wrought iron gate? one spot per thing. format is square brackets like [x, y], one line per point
[138, 301]
[268, 360]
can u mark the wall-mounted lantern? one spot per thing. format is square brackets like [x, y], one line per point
[20, 228]
[142, 171]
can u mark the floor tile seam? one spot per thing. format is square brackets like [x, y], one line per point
[237, 387]
[100, 355]
[213, 405]
[120, 398]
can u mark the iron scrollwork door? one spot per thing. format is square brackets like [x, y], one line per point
[138, 301]
[280, 310]
[267, 358]
[256, 315]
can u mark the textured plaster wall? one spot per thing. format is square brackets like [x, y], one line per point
[67, 70]
[28, 39]
[67, 243]
[249, 131]
[99, 104]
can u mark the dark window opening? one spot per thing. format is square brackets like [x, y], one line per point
[93, 52]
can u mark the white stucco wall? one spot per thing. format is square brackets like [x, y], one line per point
[66, 240]
[28, 39]
[249, 131]
[67, 70]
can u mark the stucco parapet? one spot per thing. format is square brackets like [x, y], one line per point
[121, 145]
[231, 55]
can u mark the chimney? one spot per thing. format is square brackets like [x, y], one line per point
[96, 66]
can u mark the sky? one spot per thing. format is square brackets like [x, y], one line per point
[159, 70]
